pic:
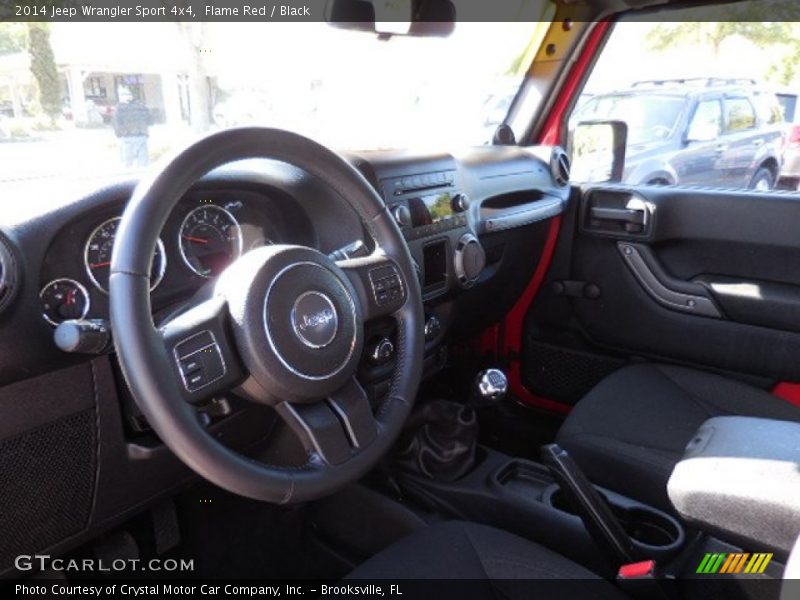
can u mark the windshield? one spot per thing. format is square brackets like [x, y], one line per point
[117, 96]
[649, 117]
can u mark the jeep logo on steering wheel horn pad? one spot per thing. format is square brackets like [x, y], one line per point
[314, 319]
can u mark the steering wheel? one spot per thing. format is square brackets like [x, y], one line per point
[284, 327]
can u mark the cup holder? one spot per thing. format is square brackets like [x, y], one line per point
[655, 534]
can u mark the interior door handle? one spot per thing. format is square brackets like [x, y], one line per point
[623, 215]
[633, 220]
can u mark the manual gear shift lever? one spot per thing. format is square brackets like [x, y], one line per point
[490, 387]
[441, 436]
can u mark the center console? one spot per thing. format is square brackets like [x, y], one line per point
[740, 478]
[735, 490]
[524, 497]
[426, 196]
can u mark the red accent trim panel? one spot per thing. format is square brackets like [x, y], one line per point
[514, 324]
[515, 319]
[788, 391]
[551, 131]
[508, 340]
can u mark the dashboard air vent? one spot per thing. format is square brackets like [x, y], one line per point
[8, 274]
[559, 166]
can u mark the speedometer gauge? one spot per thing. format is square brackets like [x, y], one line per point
[97, 256]
[210, 240]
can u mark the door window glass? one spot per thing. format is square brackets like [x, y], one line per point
[740, 115]
[681, 83]
[707, 121]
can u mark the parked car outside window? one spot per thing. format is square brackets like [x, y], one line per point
[790, 110]
[703, 131]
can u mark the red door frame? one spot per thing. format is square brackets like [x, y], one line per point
[505, 339]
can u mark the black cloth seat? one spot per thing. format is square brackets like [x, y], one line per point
[631, 429]
[460, 550]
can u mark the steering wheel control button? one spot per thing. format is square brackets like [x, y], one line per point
[190, 366]
[314, 319]
[387, 288]
[381, 351]
[200, 361]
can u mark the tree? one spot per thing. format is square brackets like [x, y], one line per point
[761, 34]
[43, 68]
[785, 71]
[13, 37]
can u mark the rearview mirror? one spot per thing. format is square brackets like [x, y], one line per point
[597, 151]
[420, 18]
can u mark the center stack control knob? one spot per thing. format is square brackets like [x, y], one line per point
[402, 215]
[460, 202]
[469, 260]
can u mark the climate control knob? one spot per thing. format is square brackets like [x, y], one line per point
[469, 260]
[460, 203]
[402, 215]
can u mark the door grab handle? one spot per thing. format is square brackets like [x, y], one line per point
[658, 286]
[624, 215]
[633, 220]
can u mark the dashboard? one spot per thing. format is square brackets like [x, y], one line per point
[460, 214]
[475, 223]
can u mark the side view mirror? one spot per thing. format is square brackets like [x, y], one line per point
[597, 151]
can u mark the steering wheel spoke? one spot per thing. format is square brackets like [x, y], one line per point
[380, 284]
[203, 355]
[335, 429]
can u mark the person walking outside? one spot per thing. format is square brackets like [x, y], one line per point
[131, 122]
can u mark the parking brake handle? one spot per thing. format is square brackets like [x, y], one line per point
[591, 507]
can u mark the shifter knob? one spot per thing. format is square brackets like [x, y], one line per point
[489, 388]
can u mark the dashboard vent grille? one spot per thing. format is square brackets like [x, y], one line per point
[559, 166]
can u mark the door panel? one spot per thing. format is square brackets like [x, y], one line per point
[734, 255]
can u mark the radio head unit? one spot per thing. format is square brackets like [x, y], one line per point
[431, 208]
[426, 204]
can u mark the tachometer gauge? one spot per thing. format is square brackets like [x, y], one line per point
[97, 256]
[210, 240]
[64, 299]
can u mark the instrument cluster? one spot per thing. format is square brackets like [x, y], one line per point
[205, 234]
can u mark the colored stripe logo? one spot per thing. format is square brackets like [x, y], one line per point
[724, 562]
